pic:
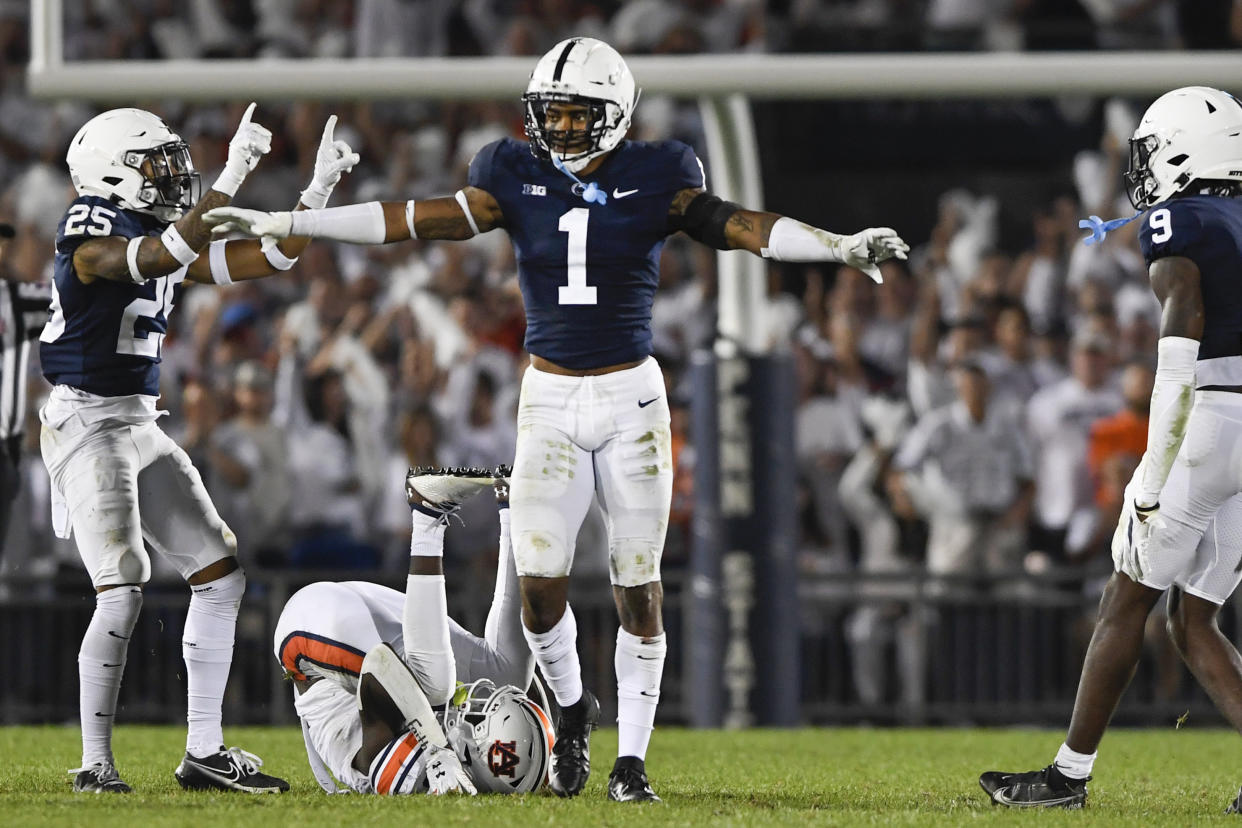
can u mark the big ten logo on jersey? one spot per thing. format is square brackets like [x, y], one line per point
[534, 189]
[502, 758]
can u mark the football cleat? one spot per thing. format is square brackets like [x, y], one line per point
[502, 474]
[571, 754]
[628, 781]
[1047, 788]
[443, 490]
[1235, 807]
[100, 777]
[231, 769]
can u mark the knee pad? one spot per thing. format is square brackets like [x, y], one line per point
[634, 561]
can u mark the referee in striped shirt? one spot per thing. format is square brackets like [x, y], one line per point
[24, 305]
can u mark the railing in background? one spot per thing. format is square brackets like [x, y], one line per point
[1008, 652]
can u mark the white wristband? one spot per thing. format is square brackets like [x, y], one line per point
[228, 182]
[792, 241]
[465, 207]
[315, 196]
[409, 218]
[277, 259]
[131, 258]
[219, 263]
[176, 246]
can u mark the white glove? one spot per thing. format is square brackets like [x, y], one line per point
[445, 773]
[333, 159]
[1132, 539]
[270, 227]
[251, 142]
[866, 248]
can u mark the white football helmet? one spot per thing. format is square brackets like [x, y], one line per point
[1190, 134]
[503, 739]
[586, 72]
[131, 157]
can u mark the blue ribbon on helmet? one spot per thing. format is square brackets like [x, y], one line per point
[590, 192]
[1100, 228]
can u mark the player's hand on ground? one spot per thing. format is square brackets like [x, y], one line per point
[866, 248]
[256, 223]
[334, 158]
[250, 143]
[445, 773]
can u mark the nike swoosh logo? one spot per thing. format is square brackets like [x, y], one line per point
[1002, 797]
[623, 193]
[642, 404]
[112, 665]
[649, 695]
[105, 715]
[115, 635]
[234, 773]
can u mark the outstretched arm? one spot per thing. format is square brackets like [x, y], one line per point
[240, 260]
[728, 226]
[148, 257]
[1175, 280]
[453, 218]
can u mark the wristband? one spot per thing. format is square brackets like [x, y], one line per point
[131, 258]
[219, 263]
[176, 246]
[277, 259]
[315, 196]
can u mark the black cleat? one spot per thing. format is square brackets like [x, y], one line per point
[628, 781]
[1235, 807]
[571, 754]
[100, 777]
[228, 770]
[502, 473]
[1047, 788]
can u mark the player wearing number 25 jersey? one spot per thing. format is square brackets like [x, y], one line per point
[1180, 528]
[587, 212]
[124, 251]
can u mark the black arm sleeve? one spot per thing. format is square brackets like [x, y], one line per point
[705, 219]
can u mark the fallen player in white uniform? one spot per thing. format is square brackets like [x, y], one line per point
[369, 664]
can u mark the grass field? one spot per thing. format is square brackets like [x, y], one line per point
[779, 778]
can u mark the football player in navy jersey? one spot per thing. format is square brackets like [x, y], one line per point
[588, 213]
[1181, 526]
[124, 250]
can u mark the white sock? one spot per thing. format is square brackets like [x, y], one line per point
[207, 646]
[556, 652]
[101, 663]
[1073, 764]
[640, 664]
[425, 628]
[427, 538]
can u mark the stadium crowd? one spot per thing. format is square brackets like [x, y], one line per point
[977, 414]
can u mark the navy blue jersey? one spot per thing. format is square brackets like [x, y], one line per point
[588, 271]
[1208, 231]
[105, 337]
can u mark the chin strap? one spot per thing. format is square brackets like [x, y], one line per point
[590, 192]
[1100, 228]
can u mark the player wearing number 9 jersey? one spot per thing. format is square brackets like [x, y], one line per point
[1180, 528]
[124, 251]
[588, 213]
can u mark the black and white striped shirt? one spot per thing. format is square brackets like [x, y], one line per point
[23, 313]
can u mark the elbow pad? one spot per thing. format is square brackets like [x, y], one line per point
[705, 219]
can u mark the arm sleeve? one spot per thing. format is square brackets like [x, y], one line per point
[1171, 397]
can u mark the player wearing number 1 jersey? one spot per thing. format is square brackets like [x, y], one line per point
[588, 213]
[125, 249]
[1181, 526]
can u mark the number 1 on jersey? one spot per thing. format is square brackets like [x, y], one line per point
[577, 292]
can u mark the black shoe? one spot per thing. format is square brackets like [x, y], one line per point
[502, 473]
[1047, 788]
[100, 777]
[571, 754]
[228, 770]
[1235, 807]
[628, 781]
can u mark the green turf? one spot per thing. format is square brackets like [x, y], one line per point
[778, 778]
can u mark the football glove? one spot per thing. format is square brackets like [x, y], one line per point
[1132, 539]
[445, 773]
[332, 160]
[866, 248]
[250, 143]
[270, 227]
